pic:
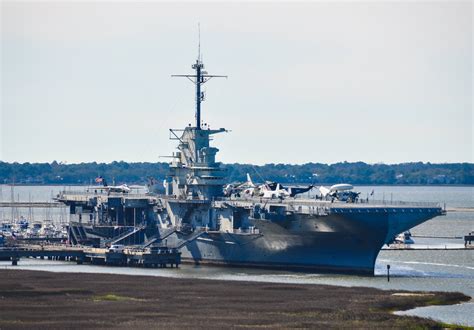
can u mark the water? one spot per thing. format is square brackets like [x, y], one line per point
[440, 270]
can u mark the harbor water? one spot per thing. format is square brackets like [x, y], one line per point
[427, 270]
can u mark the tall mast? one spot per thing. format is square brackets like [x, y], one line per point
[198, 79]
[199, 95]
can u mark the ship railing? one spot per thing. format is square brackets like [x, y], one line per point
[82, 195]
[321, 204]
[319, 210]
[369, 202]
[78, 196]
[88, 194]
[398, 203]
[247, 231]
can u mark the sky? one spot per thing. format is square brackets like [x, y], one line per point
[321, 82]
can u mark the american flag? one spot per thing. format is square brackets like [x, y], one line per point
[99, 179]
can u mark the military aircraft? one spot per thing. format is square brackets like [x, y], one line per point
[123, 188]
[246, 188]
[342, 192]
[292, 190]
[267, 192]
[267, 189]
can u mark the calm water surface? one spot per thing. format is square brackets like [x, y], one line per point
[440, 270]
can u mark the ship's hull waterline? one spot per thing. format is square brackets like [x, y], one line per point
[318, 236]
[350, 244]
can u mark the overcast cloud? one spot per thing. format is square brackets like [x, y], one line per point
[308, 82]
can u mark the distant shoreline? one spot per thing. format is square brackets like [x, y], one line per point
[319, 184]
[356, 173]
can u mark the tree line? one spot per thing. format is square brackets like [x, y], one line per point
[417, 173]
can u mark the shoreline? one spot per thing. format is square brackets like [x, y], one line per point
[296, 183]
[29, 299]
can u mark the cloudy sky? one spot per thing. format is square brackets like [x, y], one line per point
[308, 82]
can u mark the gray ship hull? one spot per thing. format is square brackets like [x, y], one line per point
[340, 242]
[303, 252]
[295, 234]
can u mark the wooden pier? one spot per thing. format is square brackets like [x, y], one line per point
[50, 252]
[149, 257]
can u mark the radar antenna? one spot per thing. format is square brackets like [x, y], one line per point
[198, 79]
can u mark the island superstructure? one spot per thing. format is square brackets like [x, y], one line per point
[208, 227]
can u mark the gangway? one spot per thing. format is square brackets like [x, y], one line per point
[161, 236]
[123, 237]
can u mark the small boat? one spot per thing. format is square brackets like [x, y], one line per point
[35, 228]
[6, 227]
[404, 238]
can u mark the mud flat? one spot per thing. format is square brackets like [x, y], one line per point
[33, 299]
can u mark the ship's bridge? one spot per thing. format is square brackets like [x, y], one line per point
[194, 172]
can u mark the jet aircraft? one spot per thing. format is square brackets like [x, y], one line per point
[342, 192]
[123, 188]
[292, 190]
[266, 190]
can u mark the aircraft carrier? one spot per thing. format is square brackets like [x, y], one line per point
[210, 226]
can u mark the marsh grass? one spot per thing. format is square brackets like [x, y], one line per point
[122, 302]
